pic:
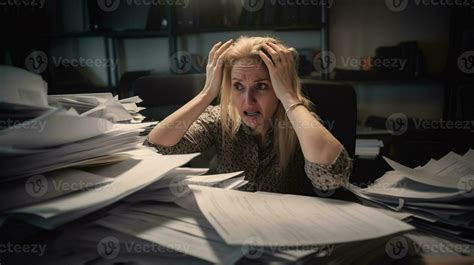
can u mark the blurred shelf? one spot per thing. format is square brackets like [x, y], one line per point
[112, 34]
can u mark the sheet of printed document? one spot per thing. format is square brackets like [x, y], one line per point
[394, 185]
[270, 220]
[69, 155]
[54, 128]
[26, 162]
[48, 186]
[21, 87]
[203, 248]
[445, 173]
[178, 186]
[130, 175]
[80, 102]
[111, 110]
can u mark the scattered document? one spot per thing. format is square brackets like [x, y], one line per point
[445, 173]
[21, 87]
[173, 187]
[271, 220]
[129, 176]
[48, 186]
[152, 231]
[438, 196]
[56, 127]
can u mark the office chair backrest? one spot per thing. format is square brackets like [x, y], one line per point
[164, 94]
[336, 104]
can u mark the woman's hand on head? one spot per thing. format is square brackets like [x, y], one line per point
[214, 68]
[282, 71]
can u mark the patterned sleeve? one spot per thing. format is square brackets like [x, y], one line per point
[331, 176]
[200, 135]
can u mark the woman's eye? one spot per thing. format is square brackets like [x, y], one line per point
[261, 86]
[237, 86]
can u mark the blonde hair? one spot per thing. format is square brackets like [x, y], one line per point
[284, 135]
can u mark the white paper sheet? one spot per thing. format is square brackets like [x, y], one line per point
[178, 186]
[48, 186]
[448, 176]
[130, 176]
[111, 110]
[289, 219]
[208, 250]
[22, 87]
[170, 211]
[393, 184]
[54, 128]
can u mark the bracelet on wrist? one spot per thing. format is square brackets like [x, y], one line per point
[292, 106]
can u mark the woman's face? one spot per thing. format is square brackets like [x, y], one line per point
[252, 94]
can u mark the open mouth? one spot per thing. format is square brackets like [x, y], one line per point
[251, 113]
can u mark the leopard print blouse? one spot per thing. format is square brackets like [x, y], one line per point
[260, 163]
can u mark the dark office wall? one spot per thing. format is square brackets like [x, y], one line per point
[358, 28]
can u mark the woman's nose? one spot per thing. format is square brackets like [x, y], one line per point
[249, 96]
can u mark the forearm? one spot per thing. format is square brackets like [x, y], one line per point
[172, 129]
[317, 143]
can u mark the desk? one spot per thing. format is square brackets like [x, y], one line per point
[23, 234]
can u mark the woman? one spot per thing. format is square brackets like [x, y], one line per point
[263, 124]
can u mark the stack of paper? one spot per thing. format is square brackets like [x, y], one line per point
[60, 139]
[175, 185]
[58, 165]
[167, 226]
[368, 148]
[111, 183]
[295, 220]
[101, 105]
[439, 195]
